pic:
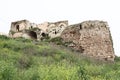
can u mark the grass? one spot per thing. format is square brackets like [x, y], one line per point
[22, 59]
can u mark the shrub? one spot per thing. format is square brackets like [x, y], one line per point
[12, 32]
[82, 73]
[20, 59]
[21, 39]
[3, 37]
[7, 71]
[57, 40]
[117, 58]
[24, 62]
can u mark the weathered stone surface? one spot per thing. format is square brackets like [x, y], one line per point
[20, 25]
[43, 26]
[18, 34]
[53, 29]
[91, 38]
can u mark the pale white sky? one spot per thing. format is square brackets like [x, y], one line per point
[75, 11]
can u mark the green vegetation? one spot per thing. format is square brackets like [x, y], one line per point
[22, 59]
[59, 41]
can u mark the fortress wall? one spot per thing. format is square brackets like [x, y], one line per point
[91, 38]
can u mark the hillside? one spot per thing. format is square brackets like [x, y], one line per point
[22, 59]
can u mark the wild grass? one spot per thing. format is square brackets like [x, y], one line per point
[22, 59]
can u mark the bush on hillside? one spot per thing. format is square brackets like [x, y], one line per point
[4, 37]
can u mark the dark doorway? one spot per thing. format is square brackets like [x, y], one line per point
[43, 35]
[80, 26]
[33, 35]
[31, 27]
[17, 27]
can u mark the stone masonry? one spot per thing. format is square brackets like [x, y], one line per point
[91, 38]
[26, 29]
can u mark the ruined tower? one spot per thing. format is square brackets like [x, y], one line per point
[90, 38]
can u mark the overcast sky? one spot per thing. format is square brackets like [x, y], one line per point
[75, 11]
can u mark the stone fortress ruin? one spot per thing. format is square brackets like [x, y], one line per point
[29, 30]
[90, 38]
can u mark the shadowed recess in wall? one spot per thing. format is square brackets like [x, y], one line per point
[32, 34]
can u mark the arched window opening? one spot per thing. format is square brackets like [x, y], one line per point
[17, 27]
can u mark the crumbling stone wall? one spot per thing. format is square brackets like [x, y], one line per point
[20, 25]
[43, 26]
[55, 29]
[91, 38]
[23, 28]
